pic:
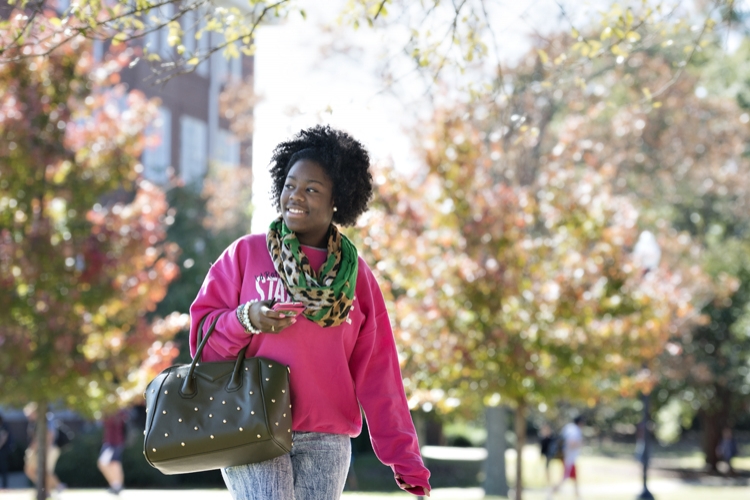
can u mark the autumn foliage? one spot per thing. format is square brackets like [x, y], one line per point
[82, 254]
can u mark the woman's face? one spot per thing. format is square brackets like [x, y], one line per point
[307, 203]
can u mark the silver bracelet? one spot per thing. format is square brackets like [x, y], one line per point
[243, 315]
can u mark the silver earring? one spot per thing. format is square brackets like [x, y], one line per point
[335, 209]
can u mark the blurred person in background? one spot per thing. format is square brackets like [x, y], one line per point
[548, 447]
[114, 429]
[53, 451]
[5, 443]
[726, 450]
[572, 442]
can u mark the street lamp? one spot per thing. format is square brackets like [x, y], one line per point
[647, 255]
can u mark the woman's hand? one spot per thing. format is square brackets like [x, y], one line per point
[267, 320]
[405, 486]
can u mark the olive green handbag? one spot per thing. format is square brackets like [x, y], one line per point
[207, 416]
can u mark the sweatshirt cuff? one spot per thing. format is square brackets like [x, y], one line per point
[417, 484]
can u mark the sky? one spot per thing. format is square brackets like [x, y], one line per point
[302, 82]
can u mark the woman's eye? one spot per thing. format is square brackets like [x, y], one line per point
[288, 186]
[312, 190]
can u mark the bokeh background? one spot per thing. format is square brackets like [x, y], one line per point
[560, 224]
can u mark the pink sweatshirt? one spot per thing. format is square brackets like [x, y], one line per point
[333, 370]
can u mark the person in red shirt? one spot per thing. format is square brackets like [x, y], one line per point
[340, 349]
[113, 444]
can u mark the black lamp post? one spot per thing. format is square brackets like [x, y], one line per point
[647, 254]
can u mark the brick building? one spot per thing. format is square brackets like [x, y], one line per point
[191, 131]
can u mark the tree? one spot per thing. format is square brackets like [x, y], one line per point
[83, 259]
[517, 294]
[442, 36]
[707, 376]
[509, 255]
[204, 225]
[684, 156]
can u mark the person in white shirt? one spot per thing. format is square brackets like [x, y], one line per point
[572, 443]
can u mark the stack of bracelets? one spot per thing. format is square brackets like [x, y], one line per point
[243, 315]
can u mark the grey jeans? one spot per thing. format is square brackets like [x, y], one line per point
[315, 469]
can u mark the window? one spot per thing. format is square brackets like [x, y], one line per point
[227, 150]
[157, 156]
[193, 150]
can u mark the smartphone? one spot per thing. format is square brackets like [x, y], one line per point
[290, 308]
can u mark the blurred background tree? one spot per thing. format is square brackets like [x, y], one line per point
[206, 221]
[507, 254]
[83, 256]
[596, 114]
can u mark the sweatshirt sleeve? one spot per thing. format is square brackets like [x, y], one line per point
[375, 368]
[219, 297]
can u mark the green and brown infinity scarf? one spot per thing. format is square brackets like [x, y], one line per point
[327, 294]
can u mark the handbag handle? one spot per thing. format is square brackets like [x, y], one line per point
[235, 382]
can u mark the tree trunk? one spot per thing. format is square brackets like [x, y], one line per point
[520, 425]
[41, 451]
[495, 480]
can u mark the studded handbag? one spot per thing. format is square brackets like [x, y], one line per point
[211, 415]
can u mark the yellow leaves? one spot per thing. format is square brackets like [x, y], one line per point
[618, 50]
[632, 36]
[213, 24]
[56, 22]
[119, 38]
[543, 56]
[606, 34]
[175, 33]
[588, 48]
[248, 50]
[231, 51]
[193, 61]
[377, 9]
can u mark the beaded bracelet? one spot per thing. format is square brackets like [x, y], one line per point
[243, 315]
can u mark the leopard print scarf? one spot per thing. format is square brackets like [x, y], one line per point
[328, 293]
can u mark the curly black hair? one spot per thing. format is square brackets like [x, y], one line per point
[344, 159]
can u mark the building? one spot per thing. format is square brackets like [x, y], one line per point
[191, 133]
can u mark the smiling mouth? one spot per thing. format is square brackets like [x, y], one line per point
[295, 211]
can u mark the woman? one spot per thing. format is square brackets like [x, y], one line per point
[340, 351]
